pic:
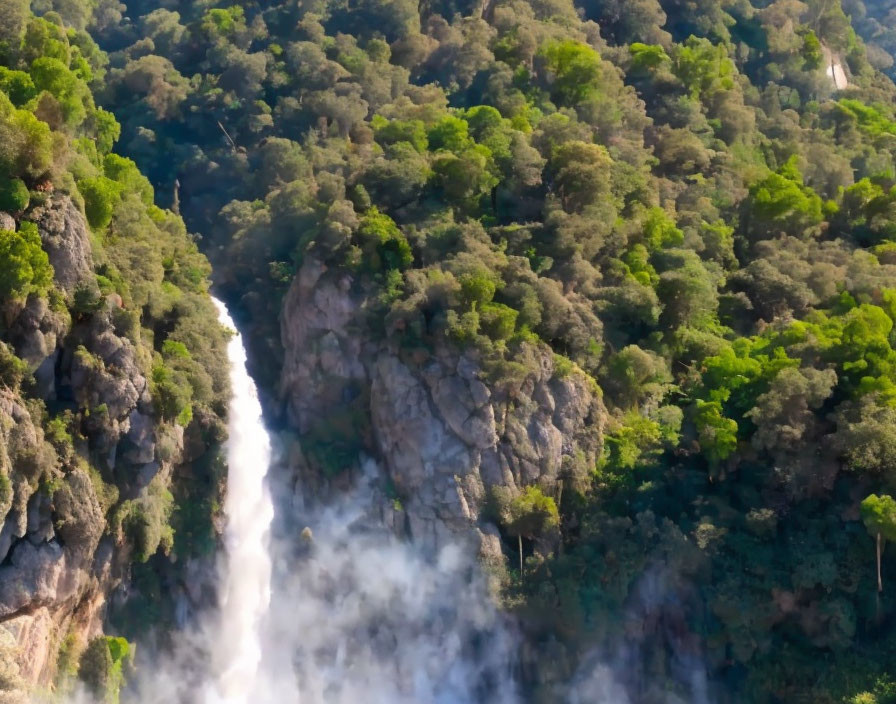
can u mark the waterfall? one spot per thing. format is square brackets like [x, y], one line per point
[246, 577]
[358, 613]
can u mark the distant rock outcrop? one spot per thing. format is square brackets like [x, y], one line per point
[442, 433]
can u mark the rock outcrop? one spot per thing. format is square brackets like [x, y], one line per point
[60, 551]
[66, 240]
[442, 433]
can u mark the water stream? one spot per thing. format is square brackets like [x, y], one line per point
[246, 578]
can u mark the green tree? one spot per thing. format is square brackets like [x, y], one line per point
[879, 517]
[24, 265]
[529, 515]
[383, 244]
[17, 85]
[572, 71]
[100, 197]
[781, 203]
[14, 195]
[716, 433]
[581, 174]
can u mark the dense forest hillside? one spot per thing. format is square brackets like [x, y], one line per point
[606, 289]
[630, 264]
[112, 374]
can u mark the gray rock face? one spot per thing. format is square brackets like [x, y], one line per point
[104, 374]
[441, 431]
[60, 559]
[7, 222]
[37, 576]
[79, 516]
[66, 239]
[36, 333]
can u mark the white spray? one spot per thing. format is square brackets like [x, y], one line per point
[246, 589]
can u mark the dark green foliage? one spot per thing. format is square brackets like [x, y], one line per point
[14, 195]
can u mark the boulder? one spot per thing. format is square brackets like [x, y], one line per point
[66, 239]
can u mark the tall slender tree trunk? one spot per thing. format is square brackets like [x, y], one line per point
[880, 584]
[520, 538]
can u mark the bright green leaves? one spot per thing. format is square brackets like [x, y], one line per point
[478, 287]
[100, 197]
[45, 39]
[102, 194]
[27, 145]
[464, 177]
[497, 320]
[451, 134]
[703, 67]
[388, 132]
[572, 71]
[24, 266]
[868, 212]
[383, 245]
[771, 384]
[637, 377]
[171, 394]
[647, 57]
[223, 22]
[870, 120]
[17, 85]
[107, 130]
[462, 169]
[464, 155]
[879, 515]
[103, 665]
[146, 521]
[660, 230]
[174, 376]
[811, 51]
[530, 514]
[716, 434]
[126, 174]
[635, 437]
[780, 203]
[71, 92]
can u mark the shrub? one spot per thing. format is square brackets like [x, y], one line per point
[102, 667]
[24, 265]
[498, 321]
[14, 196]
[100, 196]
[145, 522]
[12, 369]
[383, 244]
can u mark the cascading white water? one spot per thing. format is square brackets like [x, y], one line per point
[246, 577]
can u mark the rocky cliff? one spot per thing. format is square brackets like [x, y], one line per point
[444, 433]
[84, 456]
